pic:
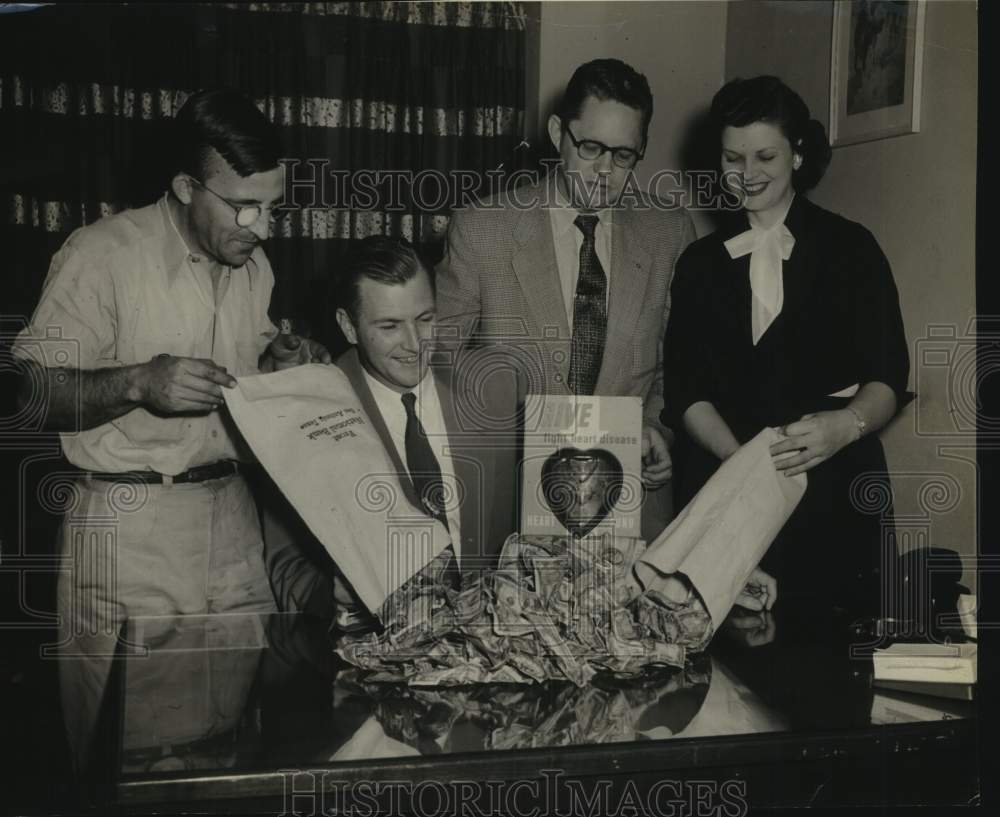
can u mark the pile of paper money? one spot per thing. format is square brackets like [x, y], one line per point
[556, 608]
[660, 701]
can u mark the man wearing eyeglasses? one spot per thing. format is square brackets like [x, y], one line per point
[145, 317]
[570, 276]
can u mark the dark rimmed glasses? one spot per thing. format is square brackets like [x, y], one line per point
[246, 214]
[591, 150]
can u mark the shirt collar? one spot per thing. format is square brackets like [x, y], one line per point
[736, 222]
[780, 222]
[564, 215]
[382, 393]
[799, 214]
[175, 250]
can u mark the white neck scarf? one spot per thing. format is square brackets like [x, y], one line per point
[767, 249]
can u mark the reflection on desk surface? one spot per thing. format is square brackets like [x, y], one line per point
[187, 683]
[249, 692]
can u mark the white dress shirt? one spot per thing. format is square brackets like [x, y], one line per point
[568, 239]
[428, 409]
[122, 291]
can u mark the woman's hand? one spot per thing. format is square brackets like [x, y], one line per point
[815, 438]
[656, 465]
[750, 629]
[760, 592]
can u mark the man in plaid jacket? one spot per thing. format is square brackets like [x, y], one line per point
[569, 279]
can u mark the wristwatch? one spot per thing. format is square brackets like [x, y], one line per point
[859, 422]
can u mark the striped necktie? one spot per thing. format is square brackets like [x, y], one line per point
[590, 313]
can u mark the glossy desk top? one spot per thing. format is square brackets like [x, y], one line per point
[236, 699]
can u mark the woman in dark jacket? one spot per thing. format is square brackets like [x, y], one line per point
[788, 316]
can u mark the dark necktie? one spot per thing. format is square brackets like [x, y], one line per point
[425, 473]
[590, 313]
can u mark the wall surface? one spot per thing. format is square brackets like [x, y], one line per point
[679, 46]
[916, 193]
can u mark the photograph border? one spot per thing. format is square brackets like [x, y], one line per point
[881, 123]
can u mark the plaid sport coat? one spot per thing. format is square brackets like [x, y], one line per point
[498, 286]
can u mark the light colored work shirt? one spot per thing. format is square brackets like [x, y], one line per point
[568, 239]
[126, 289]
[431, 416]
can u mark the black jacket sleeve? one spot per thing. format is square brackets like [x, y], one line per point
[878, 338]
[683, 350]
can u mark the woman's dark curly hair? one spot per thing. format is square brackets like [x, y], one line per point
[742, 102]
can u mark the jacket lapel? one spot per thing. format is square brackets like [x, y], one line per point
[537, 272]
[629, 275]
[797, 271]
[737, 307]
[350, 365]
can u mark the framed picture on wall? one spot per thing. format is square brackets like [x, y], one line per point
[875, 71]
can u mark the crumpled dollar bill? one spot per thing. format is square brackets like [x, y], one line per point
[556, 608]
[544, 715]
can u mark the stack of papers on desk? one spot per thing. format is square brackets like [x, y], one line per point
[967, 613]
[889, 709]
[932, 669]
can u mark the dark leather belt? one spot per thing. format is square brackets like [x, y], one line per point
[200, 473]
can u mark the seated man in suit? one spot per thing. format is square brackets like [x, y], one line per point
[569, 278]
[445, 462]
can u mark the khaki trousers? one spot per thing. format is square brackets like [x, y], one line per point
[131, 549]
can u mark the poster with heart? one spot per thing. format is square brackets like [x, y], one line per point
[581, 468]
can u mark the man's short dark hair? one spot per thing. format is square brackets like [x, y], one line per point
[382, 259]
[226, 121]
[607, 79]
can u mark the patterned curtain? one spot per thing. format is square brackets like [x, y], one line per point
[424, 90]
